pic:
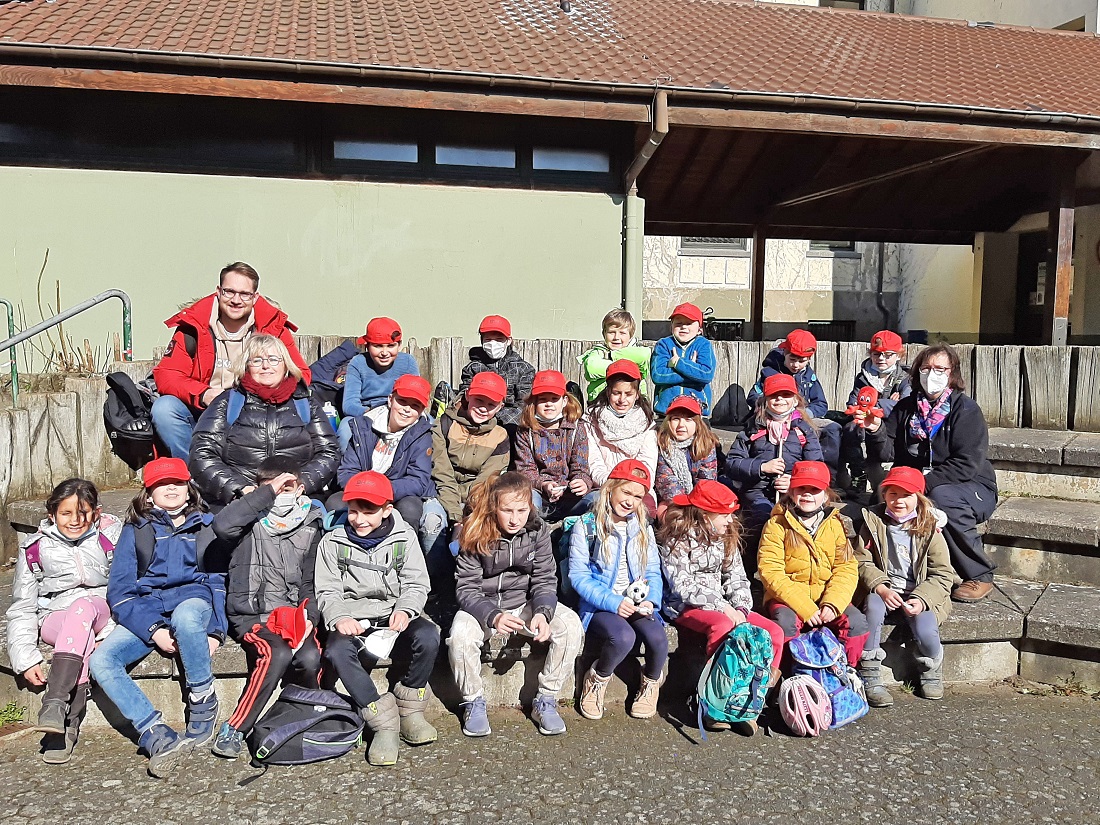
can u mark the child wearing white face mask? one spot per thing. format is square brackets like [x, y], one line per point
[274, 531]
[496, 355]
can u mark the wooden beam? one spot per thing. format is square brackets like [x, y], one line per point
[759, 247]
[964, 237]
[1059, 275]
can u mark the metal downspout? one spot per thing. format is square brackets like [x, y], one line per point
[13, 364]
[634, 210]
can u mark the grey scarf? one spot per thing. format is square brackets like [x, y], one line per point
[676, 456]
[624, 433]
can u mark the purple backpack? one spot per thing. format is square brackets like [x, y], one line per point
[34, 554]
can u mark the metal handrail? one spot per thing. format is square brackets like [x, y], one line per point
[61, 317]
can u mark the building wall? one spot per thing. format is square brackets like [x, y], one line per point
[436, 258]
[1044, 14]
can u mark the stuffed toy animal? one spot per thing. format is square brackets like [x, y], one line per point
[865, 403]
[637, 592]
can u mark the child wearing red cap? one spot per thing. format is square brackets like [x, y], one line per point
[683, 362]
[395, 440]
[497, 355]
[792, 357]
[371, 374]
[552, 449]
[58, 595]
[708, 589]
[468, 447]
[904, 565]
[507, 584]
[372, 585]
[167, 593]
[888, 375]
[687, 450]
[806, 562]
[619, 425]
[618, 342]
[760, 460]
[617, 574]
[274, 532]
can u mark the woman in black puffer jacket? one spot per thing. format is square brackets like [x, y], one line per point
[268, 407]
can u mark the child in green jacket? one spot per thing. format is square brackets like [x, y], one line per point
[618, 336]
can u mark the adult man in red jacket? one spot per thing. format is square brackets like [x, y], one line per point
[209, 336]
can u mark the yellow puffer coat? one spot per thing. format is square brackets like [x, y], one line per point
[805, 572]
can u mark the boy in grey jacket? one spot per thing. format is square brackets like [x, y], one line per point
[372, 585]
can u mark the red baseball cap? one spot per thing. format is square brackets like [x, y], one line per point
[369, 486]
[414, 387]
[813, 474]
[382, 331]
[712, 496]
[780, 382]
[686, 403]
[165, 469]
[886, 341]
[496, 323]
[548, 381]
[909, 479]
[631, 470]
[626, 368]
[488, 384]
[800, 342]
[689, 311]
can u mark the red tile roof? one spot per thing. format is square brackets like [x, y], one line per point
[687, 44]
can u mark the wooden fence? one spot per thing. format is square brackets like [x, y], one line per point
[1049, 388]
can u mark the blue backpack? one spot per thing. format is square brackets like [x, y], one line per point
[819, 655]
[734, 681]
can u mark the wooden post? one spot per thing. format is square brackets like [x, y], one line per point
[759, 245]
[1059, 275]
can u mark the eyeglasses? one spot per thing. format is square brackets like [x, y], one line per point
[265, 360]
[935, 370]
[884, 355]
[230, 294]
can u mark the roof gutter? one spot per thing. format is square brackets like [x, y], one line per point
[232, 64]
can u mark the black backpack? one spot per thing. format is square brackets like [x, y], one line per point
[128, 419]
[304, 726]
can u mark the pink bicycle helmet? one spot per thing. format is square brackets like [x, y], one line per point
[805, 706]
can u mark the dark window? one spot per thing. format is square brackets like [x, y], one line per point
[494, 157]
[386, 151]
[832, 246]
[570, 160]
[714, 246]
[855, 5]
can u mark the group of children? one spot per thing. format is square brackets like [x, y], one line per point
[309, 589]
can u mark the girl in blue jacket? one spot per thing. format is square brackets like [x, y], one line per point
[615, 568]
[167, 592]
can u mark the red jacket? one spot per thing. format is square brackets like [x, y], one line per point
[187, 377]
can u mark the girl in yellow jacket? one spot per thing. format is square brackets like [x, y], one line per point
[807, 565]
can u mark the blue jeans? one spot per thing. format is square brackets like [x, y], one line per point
[343, 433]
[567, 505]
[173, 421]
[188, 622]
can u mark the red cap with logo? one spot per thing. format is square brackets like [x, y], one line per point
[712, 496]
[687, 403]
[800, 342]
[496, 323]
[414, 387]
[780, 382]
[631, 470]
[369, 486]
[886, 341]
[382, 331]
[813, 474]
[550, 381]
[165, 469]
[909, 479]
[689, 311]
[625, 368]
[488, 384]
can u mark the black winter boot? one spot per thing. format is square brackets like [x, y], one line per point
[64, 673]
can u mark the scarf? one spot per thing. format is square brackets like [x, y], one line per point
[676, 456]
[928, 419]
[279, 525]
[624, 433]
[372, 539]
[778, 428]
[278, 394]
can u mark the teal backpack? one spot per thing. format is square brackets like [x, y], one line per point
[734, 681]
[588, 520]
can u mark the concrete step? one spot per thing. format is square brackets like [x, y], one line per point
[1046, 540]
[1046, 463]
[1062, 643]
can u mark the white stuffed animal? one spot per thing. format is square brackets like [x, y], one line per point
[637, 592]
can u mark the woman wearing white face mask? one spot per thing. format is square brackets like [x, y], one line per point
[942, 432]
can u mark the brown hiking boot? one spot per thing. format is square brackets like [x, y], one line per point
[971, 591]
[645, 703]
[592, 695]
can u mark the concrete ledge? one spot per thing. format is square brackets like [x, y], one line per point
[1083, 451]
[1045, 561]
[1027, 445]
[1069, 522]
[1066, 615]
[1055, 664]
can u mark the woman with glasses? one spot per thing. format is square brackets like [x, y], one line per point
[267, 412]
[941, 432]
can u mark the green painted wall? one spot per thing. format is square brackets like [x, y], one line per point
[331, 253]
